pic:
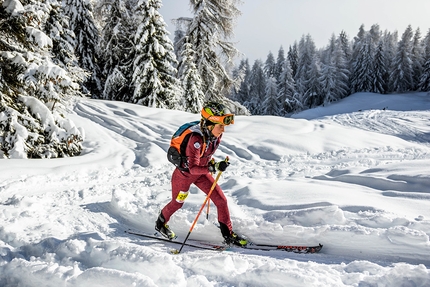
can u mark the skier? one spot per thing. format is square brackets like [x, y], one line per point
[197, 169]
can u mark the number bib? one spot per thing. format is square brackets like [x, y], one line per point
[182, 196]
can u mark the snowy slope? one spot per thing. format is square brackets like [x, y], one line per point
[352, 176]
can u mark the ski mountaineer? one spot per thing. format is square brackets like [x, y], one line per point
[197, 169]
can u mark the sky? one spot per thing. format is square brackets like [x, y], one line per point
[266, 25]
[352, 176]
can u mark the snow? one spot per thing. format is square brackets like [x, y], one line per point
[13, 6]
[41, 39]
[352, 176]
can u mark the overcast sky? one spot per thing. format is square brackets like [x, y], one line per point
[266, 25]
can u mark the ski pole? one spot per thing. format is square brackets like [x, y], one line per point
[207, 211]
[200, 211]
[209, 201]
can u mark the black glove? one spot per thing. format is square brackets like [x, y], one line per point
[211, 166]
[221, 166]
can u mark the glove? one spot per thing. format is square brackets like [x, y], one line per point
[221, 166]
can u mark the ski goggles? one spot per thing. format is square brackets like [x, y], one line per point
[227, 119]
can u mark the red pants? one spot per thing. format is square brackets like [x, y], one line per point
[181, 181]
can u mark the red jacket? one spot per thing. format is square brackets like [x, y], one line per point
[197, 162]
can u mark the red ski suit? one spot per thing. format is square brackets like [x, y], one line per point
[200, 176]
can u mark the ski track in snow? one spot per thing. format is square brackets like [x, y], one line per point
[287, 189]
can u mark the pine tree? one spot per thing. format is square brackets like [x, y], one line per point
[425, 77]
[362, 69]
[287, 94]
[334, 72]
[308, 74]
[424, 84]
[153, 78]
[293, 59]
[191, 81]
[32, 81]
[374, 36]
[279, 65]
[389, 48]
[87, 39]
[257, 88]
[314, 97]
[116, 51]
[402, 73]
[417, 59]
[269, 66]
[208, 32]
[244, 89]
[327, 53]
[379, 84]
[345, 46]
[271, 104]
[63, 39]
[328, 82]
[341, 61]
[358, 41]
[178, 42]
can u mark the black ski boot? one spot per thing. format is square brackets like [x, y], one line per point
[235, 239]
[231, 237]
[163, 228]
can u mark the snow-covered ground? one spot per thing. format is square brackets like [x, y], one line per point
[354, 176]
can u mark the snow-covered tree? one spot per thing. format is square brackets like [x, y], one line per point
[244, 72]
[345, 46]
[358, 41]
[334, 72]
[374, 36]
[154, 81]
[402, 73]
[362, 69]
[178, 41]
[425, 77]
[82, 23]
[34, 84]
[270, 66]
[313, 96]
[389, 42]
[307, 77]
[279, 65]
[257, 88]
[116, 50]
[209, 32]
[417, 58]
[424, 84]
[191, 82]
[328, 82]
[293, 59]
[57, 28]
[287, 94]
[380, 74]
[271, 104]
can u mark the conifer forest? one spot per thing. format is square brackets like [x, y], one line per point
[54, 52]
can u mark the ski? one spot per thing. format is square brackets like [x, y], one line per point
[212, 247]
[199, 244]
[270, 247]
[287, 248]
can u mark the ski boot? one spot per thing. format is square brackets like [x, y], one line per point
[163, 228]
[235, 239]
